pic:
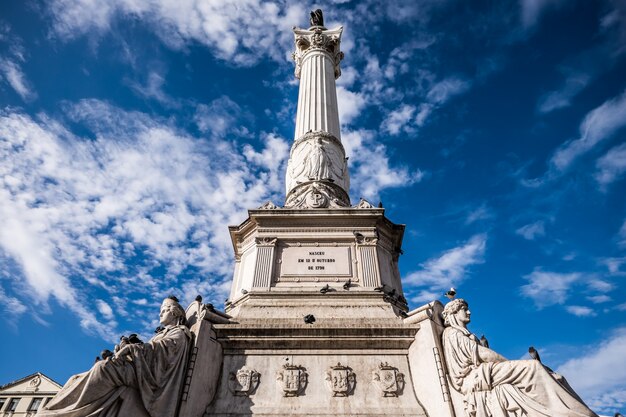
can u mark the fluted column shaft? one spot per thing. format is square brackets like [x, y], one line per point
[317, 100]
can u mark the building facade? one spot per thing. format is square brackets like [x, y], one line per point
[24, 397]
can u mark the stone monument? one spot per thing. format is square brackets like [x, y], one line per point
[316, 323]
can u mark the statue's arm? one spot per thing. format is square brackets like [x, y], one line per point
[488, 355]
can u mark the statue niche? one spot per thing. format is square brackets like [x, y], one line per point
[493, 386]
[139, 379]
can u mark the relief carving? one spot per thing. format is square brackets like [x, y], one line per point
[389, 380]
[317, 156]
[243, 382]
[340, 380]
[317, 195]
[292, 380]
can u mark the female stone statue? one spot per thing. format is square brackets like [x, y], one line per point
[140, 380]
[496, 387]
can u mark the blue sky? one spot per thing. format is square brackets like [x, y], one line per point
[133, 133]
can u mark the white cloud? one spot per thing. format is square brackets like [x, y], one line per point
[611, 166]
[599, 374]
[222, 116]
[573, 84]
[14, 76]
[82, 215]
[600, 285]
[398, 120]
[231, 29]
[11, 60]
[552, 288]
[272, 158]
[439, 94]
[599, 299]
[104, 309]
[448, 269]
[11, 305]
[480, 213]
[622, 234]
[153, 89]
[370, 168]
[598, 125]
[614, 265]
[548, 288]
[447, 88]
[350, 105]
[532, 231]
[580, 311]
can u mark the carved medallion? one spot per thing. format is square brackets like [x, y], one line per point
[389, 380]
[35, 382]
[317, 200]
[292, 380]
[340, 380]
[244, 382]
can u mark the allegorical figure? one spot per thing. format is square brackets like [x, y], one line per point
[496, 387]
[140, 380]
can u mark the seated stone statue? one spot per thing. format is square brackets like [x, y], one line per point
[139, 380]
[493, 386]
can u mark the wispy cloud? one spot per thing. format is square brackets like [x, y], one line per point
[549, 288]
[598, 125]
[371, 170]
[153, 89]
[572, 85]
[483, 212]
[398, 119]
[532, 231]
[11, 60]
[78, 214]
[599, 373]
[611, 166]
[231, 29]
[555, 288]
[448, 269]
[580, 311]
[350, 105]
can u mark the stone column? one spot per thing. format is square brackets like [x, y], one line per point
[317, 59]
[317, 172]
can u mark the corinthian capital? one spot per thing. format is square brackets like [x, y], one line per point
[318, 39]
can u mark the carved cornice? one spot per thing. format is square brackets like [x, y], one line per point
[319, 39]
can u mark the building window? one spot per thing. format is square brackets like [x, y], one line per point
[34, 404]
[12, 404]
[2, 401]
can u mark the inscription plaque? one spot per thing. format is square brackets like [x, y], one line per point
[316, 261]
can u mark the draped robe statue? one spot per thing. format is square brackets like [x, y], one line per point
[493, 386]
[141, 380]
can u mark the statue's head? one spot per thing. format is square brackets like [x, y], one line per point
[171, 312]
[456, 312]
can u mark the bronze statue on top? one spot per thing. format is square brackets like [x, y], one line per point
[317, 18]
